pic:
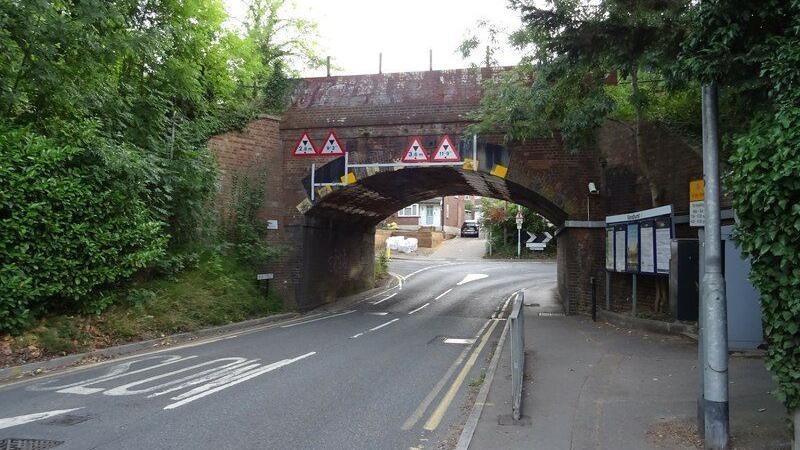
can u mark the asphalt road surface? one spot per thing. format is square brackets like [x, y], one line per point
[394, 370]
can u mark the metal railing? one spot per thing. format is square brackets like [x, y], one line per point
[517, 324]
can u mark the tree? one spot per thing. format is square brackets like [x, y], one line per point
[499, 219]
[564, 83]
[128, 93]
[752, 50]
[573, 49]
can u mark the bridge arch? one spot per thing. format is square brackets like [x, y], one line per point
[370, 200]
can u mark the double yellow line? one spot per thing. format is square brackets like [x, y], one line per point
[436, 417]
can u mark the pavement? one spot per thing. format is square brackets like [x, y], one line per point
[595, 386]
[461, 249]
[455, 249]
[397, 369]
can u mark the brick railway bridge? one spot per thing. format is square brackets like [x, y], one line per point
[328, 244]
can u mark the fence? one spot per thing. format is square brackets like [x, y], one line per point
[517, 325]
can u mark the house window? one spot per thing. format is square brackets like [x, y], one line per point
[409, 211]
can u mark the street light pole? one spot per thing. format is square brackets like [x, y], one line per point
[714, 305]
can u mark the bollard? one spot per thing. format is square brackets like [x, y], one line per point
[517, 325]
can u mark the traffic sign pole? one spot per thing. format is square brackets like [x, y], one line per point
[519, 232]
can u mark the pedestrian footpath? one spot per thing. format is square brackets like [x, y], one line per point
[595, 386]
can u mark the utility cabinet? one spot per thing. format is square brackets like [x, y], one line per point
[745, 330]
[683, 279]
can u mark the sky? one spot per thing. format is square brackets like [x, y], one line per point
[354, 32]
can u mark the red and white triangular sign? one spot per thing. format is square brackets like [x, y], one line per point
[415, 153]
[305, 146]
[445, 151]
[331, 146]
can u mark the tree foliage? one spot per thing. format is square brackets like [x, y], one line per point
[499, 220]
[754, 51]
[71, 219]
[124, 94]
[576, 50]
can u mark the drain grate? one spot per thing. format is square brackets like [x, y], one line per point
[551, 314]
[28, 444]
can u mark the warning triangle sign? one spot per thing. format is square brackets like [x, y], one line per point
[331, 145]
[305, 146]
[445, 151]
[415, 152]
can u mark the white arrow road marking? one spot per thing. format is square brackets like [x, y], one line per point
[226, 382]
[317, 319]
[381, 301]
[472, 277]
[444, 293]
[19, 420]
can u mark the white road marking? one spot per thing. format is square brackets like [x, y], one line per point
[459, 341]
[199, 392]
[383, 325]
[443, 294]
[19, 420]
[430, 267]
[426, 304]
[356, 336]
[377, 313]
[117, 371]
[227, 373]
[208, 374]
[399, 286]
[318, 319]
[381, 301]
[472, 277]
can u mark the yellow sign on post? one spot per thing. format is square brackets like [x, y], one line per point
[696, 203]
[696, 190]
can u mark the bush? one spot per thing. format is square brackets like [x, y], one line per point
[71, 219]
[765, 184]
[381, 265]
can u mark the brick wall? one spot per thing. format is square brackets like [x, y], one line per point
[374, 117]
[455, 205]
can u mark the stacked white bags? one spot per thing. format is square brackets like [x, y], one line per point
[402, 244]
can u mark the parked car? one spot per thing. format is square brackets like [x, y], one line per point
[469, 228]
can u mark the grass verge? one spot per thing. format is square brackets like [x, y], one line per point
[218, 291]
